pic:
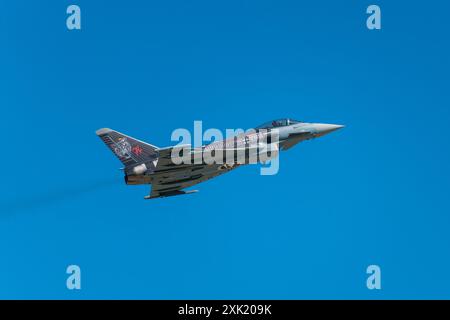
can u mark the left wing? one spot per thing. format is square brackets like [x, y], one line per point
[171, 182]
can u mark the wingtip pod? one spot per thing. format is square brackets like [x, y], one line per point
[170, 194]
[102, 131]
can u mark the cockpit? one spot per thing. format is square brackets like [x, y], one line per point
[277, 123]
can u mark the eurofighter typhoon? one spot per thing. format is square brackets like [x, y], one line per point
[170, 170]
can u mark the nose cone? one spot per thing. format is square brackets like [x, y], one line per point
[325, 128]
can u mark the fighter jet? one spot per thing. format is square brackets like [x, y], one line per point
[147, 164]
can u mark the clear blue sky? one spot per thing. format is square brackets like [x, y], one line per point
[375, 192]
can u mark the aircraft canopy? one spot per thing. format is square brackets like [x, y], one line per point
[277, 123]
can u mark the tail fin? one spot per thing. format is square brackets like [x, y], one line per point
[130, 151]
